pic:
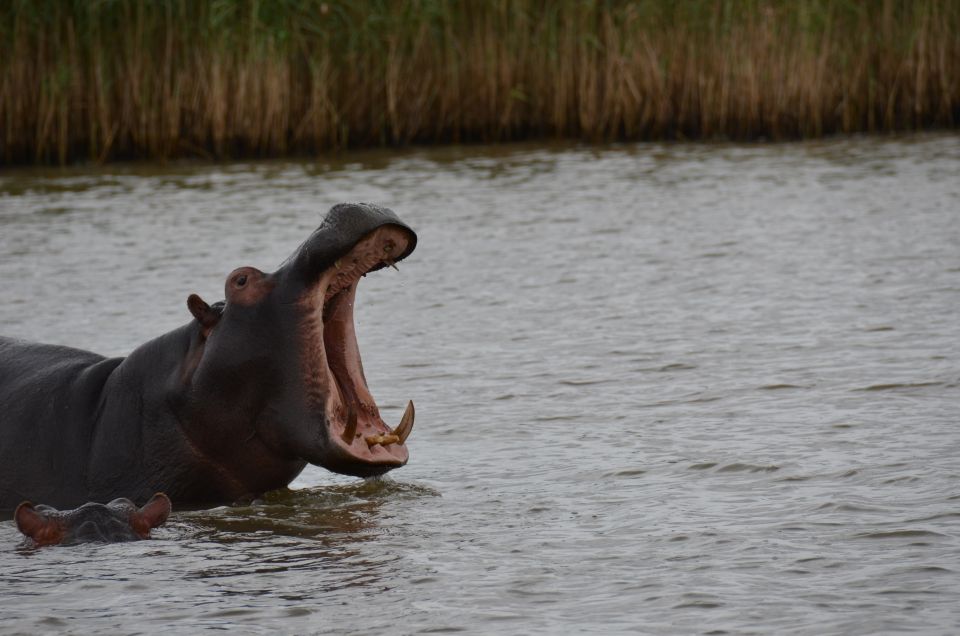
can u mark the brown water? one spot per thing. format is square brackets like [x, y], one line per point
[660, 389]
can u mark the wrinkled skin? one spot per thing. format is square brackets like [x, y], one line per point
[119, 520]
[224, 408]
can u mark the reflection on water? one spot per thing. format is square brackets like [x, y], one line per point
[660, 388]
[325, 514]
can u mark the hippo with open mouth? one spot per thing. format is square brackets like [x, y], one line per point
[119, 520]
[224, 408]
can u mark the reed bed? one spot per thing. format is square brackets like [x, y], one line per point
[103, 79]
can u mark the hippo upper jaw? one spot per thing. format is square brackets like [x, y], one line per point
[353, 439]
[341, 231]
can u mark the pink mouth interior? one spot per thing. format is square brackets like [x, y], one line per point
[335, 364]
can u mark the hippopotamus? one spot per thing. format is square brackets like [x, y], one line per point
[224, 408]
[119, 520]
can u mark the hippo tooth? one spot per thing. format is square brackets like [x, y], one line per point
[351, 428]
[391, 264]
[381, 439]
[406, 423]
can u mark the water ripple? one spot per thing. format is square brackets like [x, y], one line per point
[661, 388]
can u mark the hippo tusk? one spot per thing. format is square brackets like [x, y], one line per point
[398, 435]
[406, 423]
[391, 264]
[381, 439]
[351, 428]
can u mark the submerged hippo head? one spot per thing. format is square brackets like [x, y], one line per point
[274, 374]
[119, 520]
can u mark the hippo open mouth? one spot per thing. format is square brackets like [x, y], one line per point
[231, 405]
[360, 442]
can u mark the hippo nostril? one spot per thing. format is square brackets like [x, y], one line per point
[241, 280]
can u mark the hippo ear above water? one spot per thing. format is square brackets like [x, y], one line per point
[39, 527]
[206, 315]
[152, 514]
[29, 521]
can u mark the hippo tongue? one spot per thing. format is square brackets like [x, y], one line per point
[363, 443]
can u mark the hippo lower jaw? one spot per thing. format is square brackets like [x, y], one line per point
[358, 441]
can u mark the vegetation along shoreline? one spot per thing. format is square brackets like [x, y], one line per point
[96, 81]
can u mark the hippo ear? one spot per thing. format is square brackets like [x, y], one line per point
[152, 514]
[29, 521]
[37, 526]
[205, 315]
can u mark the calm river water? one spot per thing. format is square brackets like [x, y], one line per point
[665, 389]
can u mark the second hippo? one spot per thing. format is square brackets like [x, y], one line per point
[119, 520]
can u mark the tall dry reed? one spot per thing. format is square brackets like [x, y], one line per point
[102, 79]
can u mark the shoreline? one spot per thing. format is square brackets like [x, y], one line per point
[242, 79]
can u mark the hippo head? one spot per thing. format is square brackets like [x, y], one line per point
[276, 366]
[119, 520]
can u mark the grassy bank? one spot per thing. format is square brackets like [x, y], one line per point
[101, 79]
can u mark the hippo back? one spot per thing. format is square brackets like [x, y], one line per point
[47, 392]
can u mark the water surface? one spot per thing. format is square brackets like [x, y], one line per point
[660, 389]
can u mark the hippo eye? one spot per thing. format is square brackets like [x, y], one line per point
[240, 280]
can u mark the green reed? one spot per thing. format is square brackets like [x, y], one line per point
[102, 79]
